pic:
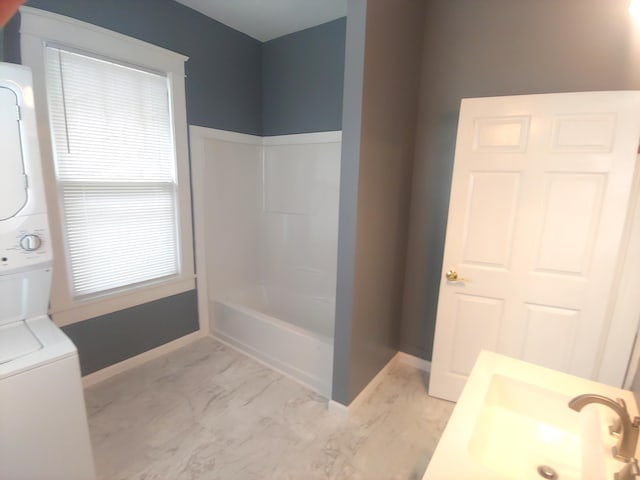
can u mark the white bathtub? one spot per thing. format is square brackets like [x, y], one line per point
[291, 333]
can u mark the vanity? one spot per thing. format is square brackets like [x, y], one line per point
[513, 421]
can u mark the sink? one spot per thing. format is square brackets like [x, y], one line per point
[522, 427]
[513, 418]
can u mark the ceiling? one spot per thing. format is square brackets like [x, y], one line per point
[268, 19]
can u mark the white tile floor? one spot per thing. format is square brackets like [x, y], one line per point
[209, 412]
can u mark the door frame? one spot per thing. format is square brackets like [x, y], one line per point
[620, 346]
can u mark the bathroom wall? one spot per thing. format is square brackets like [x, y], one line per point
[9, 48]
[300, 221]
[383, 49]
[272, 218]
[223, 73]
[223, 90]
[112, 338]
[302, 80]
[225, 84]
[496, 47]
[233, 175]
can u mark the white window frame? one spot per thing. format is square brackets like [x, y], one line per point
[39, 27]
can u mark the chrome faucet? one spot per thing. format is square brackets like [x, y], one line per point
[629, 429]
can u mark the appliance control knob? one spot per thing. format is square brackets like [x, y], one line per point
[30, 242]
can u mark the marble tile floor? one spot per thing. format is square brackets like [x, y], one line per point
[208, 412]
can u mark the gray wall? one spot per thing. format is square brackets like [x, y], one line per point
[496, 47]
[224, 68]
[112, 338]
[384, 43]
[9, 49]
[223, 91]
[302, 80]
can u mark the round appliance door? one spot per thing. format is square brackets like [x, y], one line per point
[13, 183]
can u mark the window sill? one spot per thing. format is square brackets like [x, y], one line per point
[83, 310]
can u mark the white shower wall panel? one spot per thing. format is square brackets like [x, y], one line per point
[300, 219]
[233, 197]
[304, 311]
[271, 212]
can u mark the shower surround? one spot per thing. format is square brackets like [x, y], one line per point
[267, 228]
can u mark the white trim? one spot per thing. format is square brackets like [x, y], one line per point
[365, 394]
[126, 299]
[619, 350]
[39, 27]
[338, 409]
[203, 133]
[368, 390]
[126, 365]
[344, 411]
[65, 30]
[415, 362]
[199, 217]
[198, 136]
[304, 138]
[632, 369]
[294, 139]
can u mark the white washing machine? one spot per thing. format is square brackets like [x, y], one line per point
[43, 424]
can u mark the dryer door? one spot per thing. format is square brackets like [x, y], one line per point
[13, 183]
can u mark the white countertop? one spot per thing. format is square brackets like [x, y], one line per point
[454, 457]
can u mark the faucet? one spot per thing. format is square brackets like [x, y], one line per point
[628, 440]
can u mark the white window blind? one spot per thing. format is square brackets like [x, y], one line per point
[116, 171]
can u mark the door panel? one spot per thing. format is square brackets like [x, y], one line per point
[477, 324]
[570, 222]
[550, 335]
[501, 134]
[583, 133]
[539, 198]
[496, 193]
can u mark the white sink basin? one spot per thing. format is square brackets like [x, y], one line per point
[522, 427]
[513, 417]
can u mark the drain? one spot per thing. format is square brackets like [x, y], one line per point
[545, 471]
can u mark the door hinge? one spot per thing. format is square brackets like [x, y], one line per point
[18, 113]
[25, 179]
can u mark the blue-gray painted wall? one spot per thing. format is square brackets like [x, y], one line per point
[349, 172]
[384, 47]
[493, 48]
[224, 68]
[224, 88]
[112, 338]
[302, 80]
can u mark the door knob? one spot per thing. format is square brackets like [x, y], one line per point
[452, 276]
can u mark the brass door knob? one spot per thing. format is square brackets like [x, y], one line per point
[452, 276]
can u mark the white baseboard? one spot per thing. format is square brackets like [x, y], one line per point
[338, 409]
[144, 357]
[344, 411]
[413, 361]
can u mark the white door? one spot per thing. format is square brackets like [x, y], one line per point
[539, 198]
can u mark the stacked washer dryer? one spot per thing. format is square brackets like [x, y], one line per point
[43, 425]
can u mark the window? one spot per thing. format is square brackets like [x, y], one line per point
[115, 170]
[112, 123]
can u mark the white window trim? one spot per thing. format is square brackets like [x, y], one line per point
[39, 27]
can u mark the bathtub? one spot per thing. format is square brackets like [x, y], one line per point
[289, 332]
